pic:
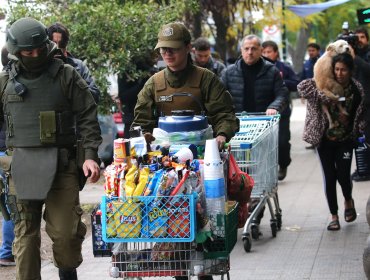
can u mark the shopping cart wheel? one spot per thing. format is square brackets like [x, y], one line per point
[255, 232]
[279, 220]
[247, 242]
[274, 228]
[114, 272]
[227, 275]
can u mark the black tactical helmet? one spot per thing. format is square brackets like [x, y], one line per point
[26, 34]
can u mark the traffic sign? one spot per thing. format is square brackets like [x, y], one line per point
[363, 16]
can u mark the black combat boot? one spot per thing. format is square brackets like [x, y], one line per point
[67, 274]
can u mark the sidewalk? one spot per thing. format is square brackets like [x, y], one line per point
[303, 249]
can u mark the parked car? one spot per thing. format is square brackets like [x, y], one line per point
[118, 119]
[109, 132]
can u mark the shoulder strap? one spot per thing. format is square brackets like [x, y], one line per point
[3, 83]
[196, 77]
[159, 81]
[55, 67]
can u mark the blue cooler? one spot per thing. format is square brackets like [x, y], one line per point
[183, 120]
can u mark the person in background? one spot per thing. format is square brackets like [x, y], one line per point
[6, 255]
[256, 85]
[50, 95]
[313, 51]
[128, 90]
[59, 34]
[335, 145]
[362, 74]
[203, 58]
[291, 80]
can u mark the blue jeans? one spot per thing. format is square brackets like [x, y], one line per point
[8, 237]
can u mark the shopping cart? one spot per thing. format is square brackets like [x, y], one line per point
[255, 148]
[154, 237]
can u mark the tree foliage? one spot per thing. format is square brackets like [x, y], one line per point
[321, 28]
[110, 34]
[230, 21]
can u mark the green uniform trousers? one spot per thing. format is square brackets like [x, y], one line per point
[62, 215]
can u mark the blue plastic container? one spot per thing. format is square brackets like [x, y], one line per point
[183, 120]
[149, 219]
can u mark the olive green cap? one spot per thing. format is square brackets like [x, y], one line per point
[173, 35]
[26, 34]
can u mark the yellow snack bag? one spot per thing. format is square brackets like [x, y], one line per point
[143, 179]
[128, 220]
[130, 180]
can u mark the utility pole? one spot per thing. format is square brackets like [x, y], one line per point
[283, 35]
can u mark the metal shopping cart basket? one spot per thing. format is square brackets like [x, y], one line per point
[155, 237]
[255, 148]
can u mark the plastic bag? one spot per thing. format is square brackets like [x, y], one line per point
[239, 183]
[196, 137]
[239, 188]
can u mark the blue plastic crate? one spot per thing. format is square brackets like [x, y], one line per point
[149, 219]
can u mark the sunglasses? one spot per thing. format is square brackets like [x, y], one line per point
[169, 50]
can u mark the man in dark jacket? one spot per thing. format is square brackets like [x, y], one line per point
[291, 80]
[59, 34]
[256, 84]
[203, 57]
[313, 51]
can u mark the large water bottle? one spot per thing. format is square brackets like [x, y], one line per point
[214, 184]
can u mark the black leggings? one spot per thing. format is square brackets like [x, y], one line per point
[336, 160]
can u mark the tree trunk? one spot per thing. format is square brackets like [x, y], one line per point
[299, 52]
[221, 24]
[197, 25]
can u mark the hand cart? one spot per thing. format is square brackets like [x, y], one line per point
[255, 149]
[155, 237]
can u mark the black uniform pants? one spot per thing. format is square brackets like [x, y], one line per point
[336, 159]
[284, 138]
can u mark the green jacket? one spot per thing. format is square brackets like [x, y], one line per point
[216, 100]
[81, 102]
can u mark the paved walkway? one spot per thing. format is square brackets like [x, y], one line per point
[303, 249]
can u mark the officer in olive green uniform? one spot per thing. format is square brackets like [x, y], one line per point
[40, 100]
[181, 76]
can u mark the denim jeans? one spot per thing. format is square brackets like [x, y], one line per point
[8, 237]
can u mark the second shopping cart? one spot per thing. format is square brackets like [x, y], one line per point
[255, 148]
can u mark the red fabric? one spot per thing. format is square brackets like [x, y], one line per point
[243, 214]
[240, 184]
[239, 188]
